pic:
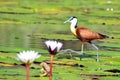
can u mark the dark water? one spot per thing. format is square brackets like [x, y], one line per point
[21, 36]
[14, 36]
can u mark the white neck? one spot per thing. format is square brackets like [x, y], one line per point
[73, 25]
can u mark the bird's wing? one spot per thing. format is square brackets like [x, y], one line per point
[85, 33]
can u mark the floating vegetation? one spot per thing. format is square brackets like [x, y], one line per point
[51, 11]
[10, 22]
[6, 64]
[54, 36]
[25, 24]
[8, 3]
[109, 22]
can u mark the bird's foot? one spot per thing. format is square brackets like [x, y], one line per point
[97, 60]
[82, 53]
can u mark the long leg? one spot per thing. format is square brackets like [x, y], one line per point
[82, 48]
[97, 51]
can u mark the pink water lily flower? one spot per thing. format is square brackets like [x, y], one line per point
[53, 47]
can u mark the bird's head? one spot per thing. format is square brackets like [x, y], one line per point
[71, 19]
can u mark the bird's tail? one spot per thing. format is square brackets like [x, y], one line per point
[104, 36]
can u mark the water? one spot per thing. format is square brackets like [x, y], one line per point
[21, 36]
[14, 36]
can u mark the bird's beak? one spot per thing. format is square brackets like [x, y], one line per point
[66, 21]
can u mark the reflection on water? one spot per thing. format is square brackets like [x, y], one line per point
[13, 36]
[35, 42]
[20, 36]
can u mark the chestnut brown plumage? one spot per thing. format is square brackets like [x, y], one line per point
[84, 34]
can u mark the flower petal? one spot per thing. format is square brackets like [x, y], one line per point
[53, 46]
[27, 57]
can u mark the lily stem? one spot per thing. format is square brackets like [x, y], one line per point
[27, 72]
[51, 61]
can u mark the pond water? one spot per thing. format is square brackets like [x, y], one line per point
[18, 36]
[23, 21]
[13, 36]
[21, 36]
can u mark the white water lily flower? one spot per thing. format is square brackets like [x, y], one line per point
[53, 46]
[28, 57]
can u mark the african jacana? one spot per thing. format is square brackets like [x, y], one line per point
[84, 34]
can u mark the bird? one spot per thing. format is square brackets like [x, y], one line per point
[84, 34]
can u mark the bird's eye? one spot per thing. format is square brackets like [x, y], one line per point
[71, 18]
